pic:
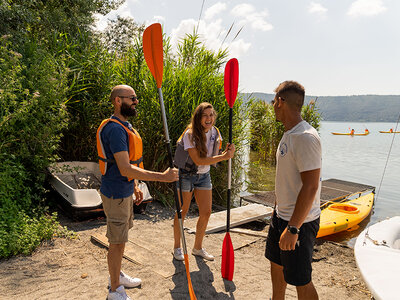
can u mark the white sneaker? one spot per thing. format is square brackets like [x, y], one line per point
[178, 254]
[119, 294]
[203, 253]
[127, 281]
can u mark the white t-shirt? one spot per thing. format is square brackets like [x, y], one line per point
[299, 150]
[211, 135]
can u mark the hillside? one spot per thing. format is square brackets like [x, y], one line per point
[363, 108]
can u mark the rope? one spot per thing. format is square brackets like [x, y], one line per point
[383, 175]
[387, 159]
[376, 242]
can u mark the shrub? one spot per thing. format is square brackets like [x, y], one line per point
[266, 132]
[31, 118]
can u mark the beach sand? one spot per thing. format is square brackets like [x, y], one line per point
[77, 268]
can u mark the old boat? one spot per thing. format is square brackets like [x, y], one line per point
[79, 182]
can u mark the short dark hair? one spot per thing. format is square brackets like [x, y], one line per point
[292, 91]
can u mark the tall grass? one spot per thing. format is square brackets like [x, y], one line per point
[191, 76]
[266, 132]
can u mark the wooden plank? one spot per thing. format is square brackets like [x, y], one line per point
[151, 247]
[137, 254]
[129, 253]
[250, 232]
[239, 215]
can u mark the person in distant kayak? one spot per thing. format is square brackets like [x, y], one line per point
[119, 148]
[197, 149]
[352, 132]
[366, 131]
[295, 220]
[391, 130]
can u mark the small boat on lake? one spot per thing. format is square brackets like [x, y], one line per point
[377, 253]
[390, 131]
[79, 182]
[351, 133]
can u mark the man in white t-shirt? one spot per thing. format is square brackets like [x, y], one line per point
[295, 221]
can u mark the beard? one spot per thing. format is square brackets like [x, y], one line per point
[128, 110]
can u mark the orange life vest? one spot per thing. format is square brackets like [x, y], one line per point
[135, 147]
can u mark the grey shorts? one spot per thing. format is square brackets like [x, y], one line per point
[192, 182]
[119, 213]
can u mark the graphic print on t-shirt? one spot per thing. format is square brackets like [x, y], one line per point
[283, 149]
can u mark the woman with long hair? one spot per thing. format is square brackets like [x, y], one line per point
[197, 149]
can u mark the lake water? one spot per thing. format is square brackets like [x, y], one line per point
[362, 159]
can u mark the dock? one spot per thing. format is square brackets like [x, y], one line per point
[331, 190]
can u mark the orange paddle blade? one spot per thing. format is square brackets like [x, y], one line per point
[153, 51]
[228, 258]
[191, 291]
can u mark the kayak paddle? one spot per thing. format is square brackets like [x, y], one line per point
[231, 81]
[153, 54]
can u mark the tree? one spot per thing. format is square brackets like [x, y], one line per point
[121, 33]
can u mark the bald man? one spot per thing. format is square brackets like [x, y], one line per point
[295, 221]
[119, 148]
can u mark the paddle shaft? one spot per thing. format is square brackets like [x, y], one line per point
[171, 165]
[228, 210]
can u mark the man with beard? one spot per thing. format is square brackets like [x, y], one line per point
[119, 148]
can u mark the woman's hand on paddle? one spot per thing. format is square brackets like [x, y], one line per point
[229, 151]
[288, 240]
[170, 175]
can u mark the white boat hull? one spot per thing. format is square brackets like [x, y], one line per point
[79, 184]
[377, 253]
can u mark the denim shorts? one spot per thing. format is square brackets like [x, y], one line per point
[192, 182]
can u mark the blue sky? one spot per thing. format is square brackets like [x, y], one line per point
[332, 47]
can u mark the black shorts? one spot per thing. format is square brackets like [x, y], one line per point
[296, 263]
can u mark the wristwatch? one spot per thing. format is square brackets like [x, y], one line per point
[293, 229]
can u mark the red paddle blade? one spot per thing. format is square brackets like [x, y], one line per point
[231, 81]
[228, 258]
[153, 51]
[190, 287]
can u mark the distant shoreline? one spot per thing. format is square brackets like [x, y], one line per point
[361, 108]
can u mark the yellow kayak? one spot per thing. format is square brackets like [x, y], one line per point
[340, 216]
[339, 133]
[389, 131]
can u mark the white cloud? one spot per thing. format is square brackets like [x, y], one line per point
[317, 8]
[366, 8]
[214, 10]
[123, 11]
[212, 34]
[250, 16]
[238, 48]
[159, 19]
[242, 10]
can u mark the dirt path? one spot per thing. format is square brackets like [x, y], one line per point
[77, 269]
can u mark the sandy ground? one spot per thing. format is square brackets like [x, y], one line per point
[77, 268]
